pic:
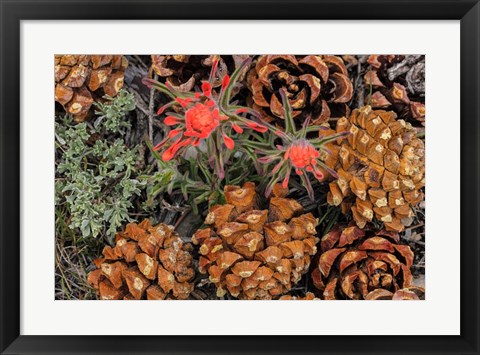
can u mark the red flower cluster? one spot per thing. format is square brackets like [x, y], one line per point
[300, 155]
[201, 120]
[296, 151]
[303, 155]
[204, 114]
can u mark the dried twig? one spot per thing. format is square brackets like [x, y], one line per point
[150, 110]
[139, 101]
[141, 62]
[182, 217]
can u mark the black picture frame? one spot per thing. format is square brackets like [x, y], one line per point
[13, 12]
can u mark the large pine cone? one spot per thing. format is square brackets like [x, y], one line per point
[316, 86]
[398, 84]
[82, 79]
[353, 263]
[147, 262]
[380, 166]
[252, 253]
[183, 72]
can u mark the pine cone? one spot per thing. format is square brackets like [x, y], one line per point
[252, 253]
[354, 262]
[82, 79]
[398, 84]
[183, 72]
[309, 296]
[147, 262]
[408, 293]
[380, 166]
[316, 86]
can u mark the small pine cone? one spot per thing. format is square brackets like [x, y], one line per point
[183, 72]
[398, 84]
[252, 253]
[353, 263]
[316, 86]
[147, 262]
[380, 167]
[80, 80]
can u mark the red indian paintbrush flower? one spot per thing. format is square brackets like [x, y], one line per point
[201, 120]
[295, 152]
[204, 116]
[303, 156]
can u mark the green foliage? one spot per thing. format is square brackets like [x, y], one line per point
[73, 255]
[96, 179]
[113, 111]
[195, 179]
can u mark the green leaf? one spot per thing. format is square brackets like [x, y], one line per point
[287, 113]
[233, 80]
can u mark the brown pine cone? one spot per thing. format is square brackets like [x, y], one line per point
[353, 262]
[147, 262]
[316, 86]
[80, 80]
[408, 293]
[398, 84]
[380, 167]
[183, 72]
[252, 253]
[309, 296]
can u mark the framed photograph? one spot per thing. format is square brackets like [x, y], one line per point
[238, 177]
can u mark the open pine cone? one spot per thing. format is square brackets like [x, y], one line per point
[380, 166]
[82, 79]
[252, 253]
[147, 262]
[316, 86]
[353, 262]
[398, 84]
[409, 293]
[183, 72]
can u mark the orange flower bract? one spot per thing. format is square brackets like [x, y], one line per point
[200, 121]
